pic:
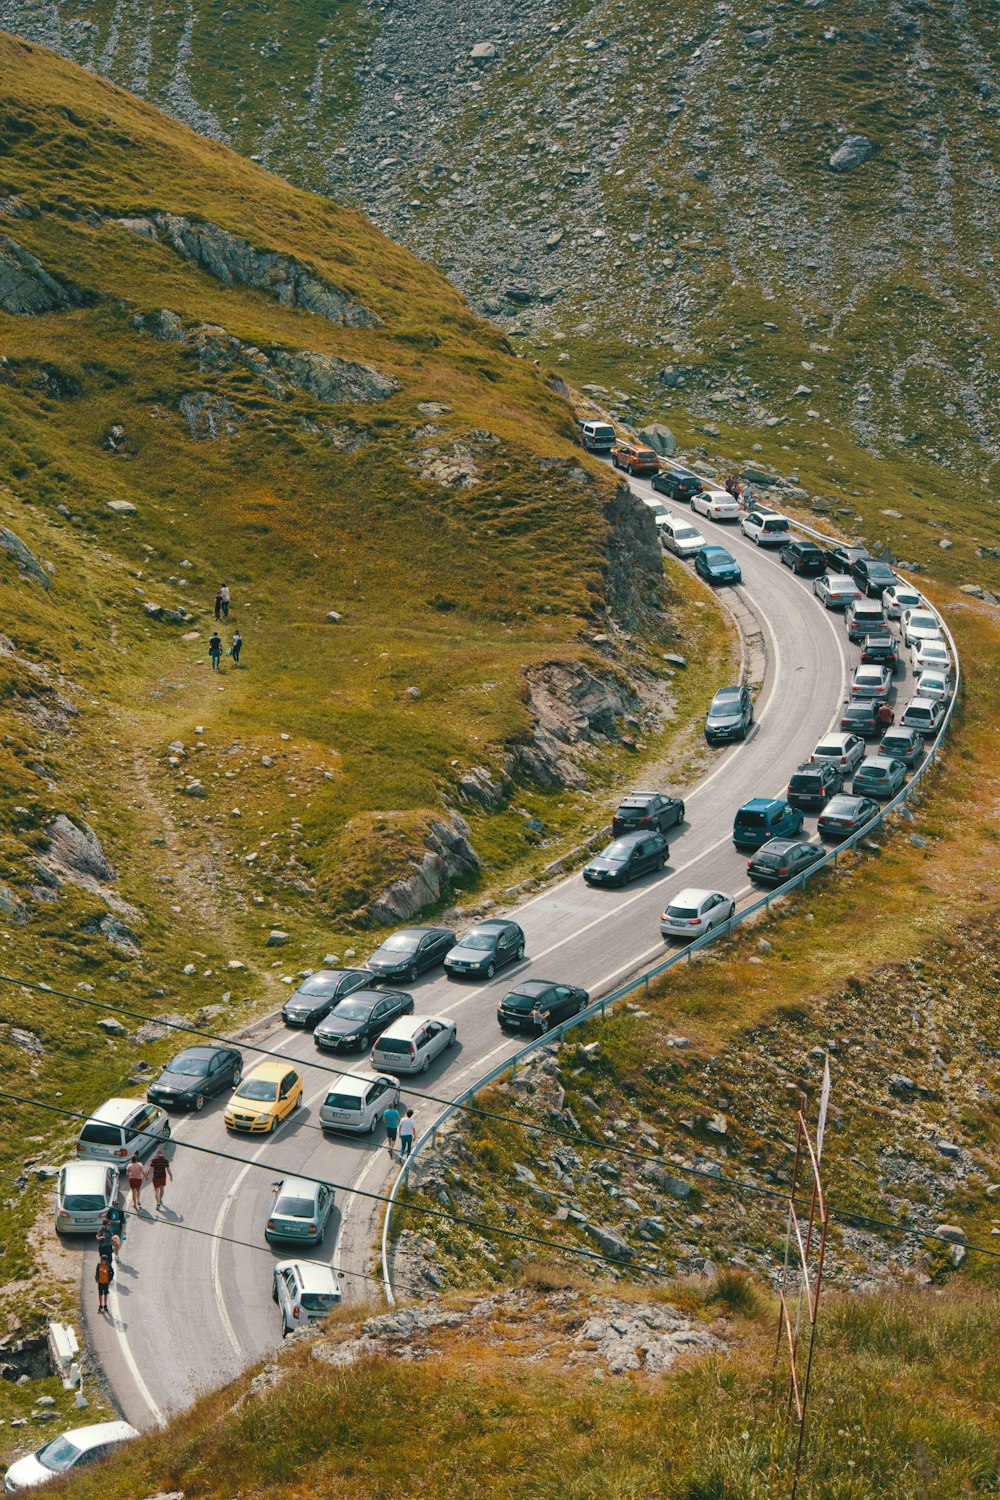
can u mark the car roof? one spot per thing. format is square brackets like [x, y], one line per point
[870, 669]
[100, 1432]
[919, 702]
[758, 804]
[727, 692]
[198, 1052]
[839, 738]
[325, 974]
[270, 1067]
[354, 1083]
[533, 986]
[714, 551]
[877, 760]
[115, 1111]
[305, 1186]
[843, 799]
[86, 1171]
[692, 895]
[638, 799]
[312, 1275]
[403, 1029]
[491, 924]
[844, 578]
[631, 838]
[777, 846]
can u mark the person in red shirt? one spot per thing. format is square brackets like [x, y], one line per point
[135, 1174]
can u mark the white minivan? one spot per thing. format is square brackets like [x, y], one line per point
[410, 1044]
[357, 1101]
[598, 437]
[121, 1127]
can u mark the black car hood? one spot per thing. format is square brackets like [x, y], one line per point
[179, 1082]
[609, 866]
[391, 961]
[335, 1025]
[477, 955]
[723, 721]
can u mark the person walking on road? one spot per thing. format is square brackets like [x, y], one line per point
[236, 648]
[105, 1245]
[215, 650]
[159, 1171]
[104, 1275]
[134, 1173]
[391, 1118]
[407, 1130]
[114, 1225]
[224, 601]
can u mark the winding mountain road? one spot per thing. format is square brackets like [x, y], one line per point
[190, 1309]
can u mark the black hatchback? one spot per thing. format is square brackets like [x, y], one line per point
[873, 577]
[195, 1074]
[317, 995]
[676, 486]
[804, 558]
[813, 784]
[860, 716]
[484, 949]
[539, 1004]
[627, 858]
[880, 646]
[645, 810]
[410, 951]
[841, 559]
[782, 859]
[358, 1020]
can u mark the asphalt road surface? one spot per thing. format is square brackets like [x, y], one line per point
[191, 1304]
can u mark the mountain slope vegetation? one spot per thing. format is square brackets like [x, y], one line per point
[721, 215]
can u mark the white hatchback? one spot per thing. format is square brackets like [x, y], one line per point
[920, 625]
[411, 1044]
[357, 1101]
[63, 1454]
[845, 751]
[305, 1291]
[85, 1190]
[933, 654]
[693, 912]
[900, 597]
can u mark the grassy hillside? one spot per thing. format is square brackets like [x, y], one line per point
[903, 1402]
[208, 375]
[654, 201]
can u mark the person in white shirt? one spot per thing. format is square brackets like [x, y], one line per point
[407, 1130]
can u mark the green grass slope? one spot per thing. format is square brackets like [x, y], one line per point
[208, 374]
[646, 195]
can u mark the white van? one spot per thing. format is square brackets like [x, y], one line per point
[410, 1044]
[598, 437]
[121, 1127]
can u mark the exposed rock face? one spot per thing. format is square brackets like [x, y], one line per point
[634, 561]
[571, 706]
[449, 856]
[208, 416]
[27, 562]
[659, 438]
[230, 258]
[629, 1336]
[77, 851]
[118, 934]
[331, 379]
[26, 286]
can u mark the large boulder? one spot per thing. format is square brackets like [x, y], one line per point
[331, 379]
[27, 562]
[26, 286]
[77, 851]
[659, 438]
[852, 152]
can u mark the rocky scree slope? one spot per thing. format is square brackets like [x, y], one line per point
[208, 375]
[722, 212]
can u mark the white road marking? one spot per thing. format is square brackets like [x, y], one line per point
[156, 1412]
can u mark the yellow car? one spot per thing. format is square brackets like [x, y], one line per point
[267, 1095]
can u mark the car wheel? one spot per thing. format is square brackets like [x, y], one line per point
[519, 954]
[371, 1124]
[491, 969]
[199, 1101]
[425, 1065]
[452, 1039]
[732, 911]
[237, 1074]
[273, 1125]
[166, 1130]
[274, 1292]
[412, 974]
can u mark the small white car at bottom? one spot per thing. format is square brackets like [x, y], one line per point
[66, 1453]
[85, 1190]
[357, 1101]
[412, 1043]
[693, 912]
[680, 537]
[305, 1291]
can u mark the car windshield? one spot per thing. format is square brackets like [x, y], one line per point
[841, 807]
[682, 913]
[96, 1134]
[923, 622]
[724, 708]
[59, 1455]
[320, 984]
[400, 942]
[770, 861]
[802, 780]
[190, 1065]
[261, 1089]
[829, 747]
[874, 773]
[390, 1044]
[481, 941]
[350, 1101]
[355, 1010]
[718, 556]
[319, 1301]
[619, 850]
[682, 533]
[295, 1208]
[84, 1202]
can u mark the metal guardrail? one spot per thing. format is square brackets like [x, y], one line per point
[684, 955]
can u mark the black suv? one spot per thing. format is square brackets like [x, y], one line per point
[841, 559]
[804, 558]
[539, 1004]
[782, 859]
[730, 715]
[873, 577]
[813, 784]
[676, 486]
[880, 647]
[860, 716]
[647, 810]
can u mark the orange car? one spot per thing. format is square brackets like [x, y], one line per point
[635, 457]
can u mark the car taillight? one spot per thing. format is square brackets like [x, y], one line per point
[270, 1223]
[694, 921]
[413, 1050]
[749, 863]
[122, 1151]
[312, 1229]
[295, 1310]
[783, 870]
[645, 820]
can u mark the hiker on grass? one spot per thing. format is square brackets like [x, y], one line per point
[236, 648]
[215, 651]
[224, 601]
[218, 604]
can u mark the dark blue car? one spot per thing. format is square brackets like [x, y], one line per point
[716, 565]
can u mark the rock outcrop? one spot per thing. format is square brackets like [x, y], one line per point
[26, 286]
[572, 708]
[229, 258]
[76, 852]
[853, 151]
[448, 857]
[27, 562]
[208, 416]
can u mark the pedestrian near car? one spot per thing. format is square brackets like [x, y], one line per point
[114, 1225]
[407, 1130]
[224, 600]
[885, 715]
[104, 1275]
[105, 1244]
[134, 1174]
[215, 650]
[391, 1119]
[159, 1171]
[236, 648]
